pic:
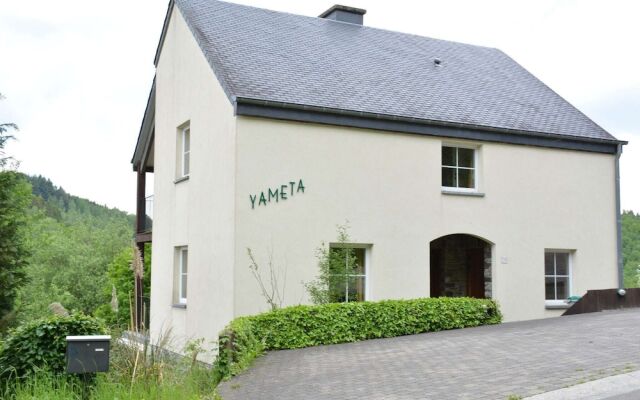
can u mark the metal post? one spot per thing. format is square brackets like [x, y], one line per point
[619, 222]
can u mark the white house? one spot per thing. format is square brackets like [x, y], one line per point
[459, 173]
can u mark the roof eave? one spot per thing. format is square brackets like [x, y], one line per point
[165, 26]
[146, 130]
[331, 116]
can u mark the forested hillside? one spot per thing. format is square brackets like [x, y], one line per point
[631, 248]
[71, 242]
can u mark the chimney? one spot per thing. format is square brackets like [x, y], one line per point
[341, 13]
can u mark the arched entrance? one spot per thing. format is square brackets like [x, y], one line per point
[460, 266]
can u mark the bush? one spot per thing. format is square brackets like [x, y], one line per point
[304, 326]
[41, 344]
[238, 347]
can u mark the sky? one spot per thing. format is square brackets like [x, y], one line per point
[76, 74]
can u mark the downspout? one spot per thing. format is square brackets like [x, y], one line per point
[619, 221]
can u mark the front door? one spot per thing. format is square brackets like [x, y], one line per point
[436, 278]
[475, 273]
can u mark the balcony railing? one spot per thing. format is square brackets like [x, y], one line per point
[148, 213]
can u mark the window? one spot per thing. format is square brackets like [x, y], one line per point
[184, 146]
[459, 168]
[182, 271]
[557, 275]
[348, 274]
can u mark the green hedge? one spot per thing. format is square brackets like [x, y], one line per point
[305, 326]
[41, 344]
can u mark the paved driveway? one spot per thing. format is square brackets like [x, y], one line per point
[490, 362]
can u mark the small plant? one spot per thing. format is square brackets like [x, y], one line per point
[192, 350]
[274, 295]
[335, 265]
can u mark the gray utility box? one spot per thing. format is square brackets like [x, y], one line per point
[87, 354]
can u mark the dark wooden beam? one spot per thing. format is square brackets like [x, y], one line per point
[143, 237]
[140, 201]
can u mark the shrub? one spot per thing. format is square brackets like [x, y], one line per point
[41, 344]
[304, 326]
[238, 347]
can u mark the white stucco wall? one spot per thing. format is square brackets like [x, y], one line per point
[198, 212]
[387, 185]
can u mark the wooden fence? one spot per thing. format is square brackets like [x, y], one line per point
[605, 299]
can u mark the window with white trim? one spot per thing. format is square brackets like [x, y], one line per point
[184, 151]
[557, 275]
[348, 274]
[459, 168]
[182, 270]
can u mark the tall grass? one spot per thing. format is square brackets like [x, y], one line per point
[137, 372]
[46, 386]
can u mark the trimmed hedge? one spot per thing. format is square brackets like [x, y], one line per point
[41, 344]
[303, 326]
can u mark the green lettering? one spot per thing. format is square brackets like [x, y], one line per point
[262, 200]
[283, 193]
[273, 194]
[300, 186]
[253, 201]
[291, 184]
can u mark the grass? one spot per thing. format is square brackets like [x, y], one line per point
[45, 386]
[134, 373]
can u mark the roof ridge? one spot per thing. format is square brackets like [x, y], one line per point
[339, 22]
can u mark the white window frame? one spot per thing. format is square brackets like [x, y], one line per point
[367, 266]
[476, 176]
[186, 131]
[182, 299]
[570, 254]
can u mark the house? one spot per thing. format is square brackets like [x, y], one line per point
[459, 173]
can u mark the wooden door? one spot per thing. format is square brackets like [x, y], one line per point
[475, 273]
[436, 277]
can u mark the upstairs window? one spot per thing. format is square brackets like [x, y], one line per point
[184, 151]
[459, 168]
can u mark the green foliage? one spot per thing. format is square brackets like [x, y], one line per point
[238, 346]
[71, 242]
[134, 373]
[335, 264]
[190, 385]
[41, 344]
[631, 248]
[14, 201]
[122, 278]
[304, 326]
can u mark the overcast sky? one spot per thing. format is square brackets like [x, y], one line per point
[76, 73]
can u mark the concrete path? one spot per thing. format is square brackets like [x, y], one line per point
[618, 387]
[491, 362]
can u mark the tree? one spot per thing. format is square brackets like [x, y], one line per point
[336, 266]
[4, 138]
[121, 282]
[15, 196]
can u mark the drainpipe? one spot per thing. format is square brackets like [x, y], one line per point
[619, 221]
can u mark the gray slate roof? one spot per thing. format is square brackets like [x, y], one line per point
[280, 57]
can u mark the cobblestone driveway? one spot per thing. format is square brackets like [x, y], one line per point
[491, 362]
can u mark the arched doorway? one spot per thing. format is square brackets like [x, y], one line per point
[460, 266]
